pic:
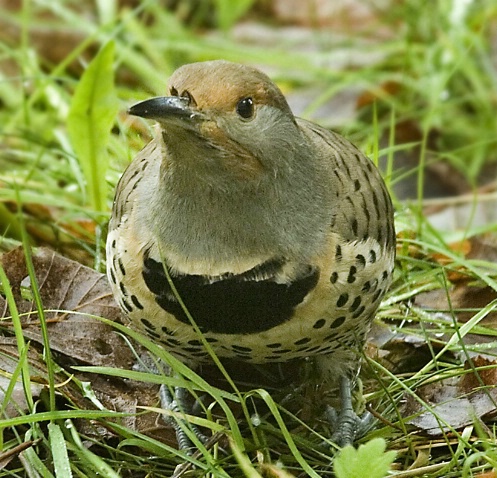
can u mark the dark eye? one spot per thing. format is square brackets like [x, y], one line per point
[173, 91]
[245, 108]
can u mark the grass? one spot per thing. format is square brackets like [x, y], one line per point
[435, 74]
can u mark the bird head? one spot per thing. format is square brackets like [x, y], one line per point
[224, 119]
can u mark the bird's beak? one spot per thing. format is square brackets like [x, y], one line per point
[164, 108]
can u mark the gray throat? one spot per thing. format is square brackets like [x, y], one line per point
[287, 218]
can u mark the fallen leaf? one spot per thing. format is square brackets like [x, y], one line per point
[459, 247]
[488, 474]
[73, 296]
[465, 300]
[455, 402]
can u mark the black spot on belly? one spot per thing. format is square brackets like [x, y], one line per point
[361, 260]
[166, 331]
[355, 304]
[121, 266]
[234, 304]
[136, 302]
[342, 300]
[337, 322]
[147, 324]
[319, 324]
[195, 342]
[358, 312]
[372, 256]
[125, 305]
[239, 348]
[112, 276]
[172, 342]
[303, 341]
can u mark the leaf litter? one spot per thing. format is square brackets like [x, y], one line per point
[450, 401]
[73, 296]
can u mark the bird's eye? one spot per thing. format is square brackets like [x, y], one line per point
[173, 91]
[245, 108]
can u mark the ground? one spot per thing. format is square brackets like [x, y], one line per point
[413, 86]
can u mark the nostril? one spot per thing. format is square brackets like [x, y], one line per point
[191, 99]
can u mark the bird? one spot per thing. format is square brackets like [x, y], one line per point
[244, 227]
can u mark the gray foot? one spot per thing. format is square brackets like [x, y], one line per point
[176, 401]
[347, 426]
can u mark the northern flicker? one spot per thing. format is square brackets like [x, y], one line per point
[277, 234]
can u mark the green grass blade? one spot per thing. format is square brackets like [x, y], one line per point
[59, 451]
[21, 344]
[92, 114]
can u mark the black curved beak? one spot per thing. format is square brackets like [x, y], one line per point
[163, 108]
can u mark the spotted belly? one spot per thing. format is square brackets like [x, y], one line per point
[327, 309]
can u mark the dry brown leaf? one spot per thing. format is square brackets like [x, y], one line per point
[75, 294]
[66, 285]
[488, 474]
[456, 402]
[485, 376]
[465, 301]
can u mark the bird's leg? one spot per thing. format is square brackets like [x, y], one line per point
[176, 401]
[347, 425]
